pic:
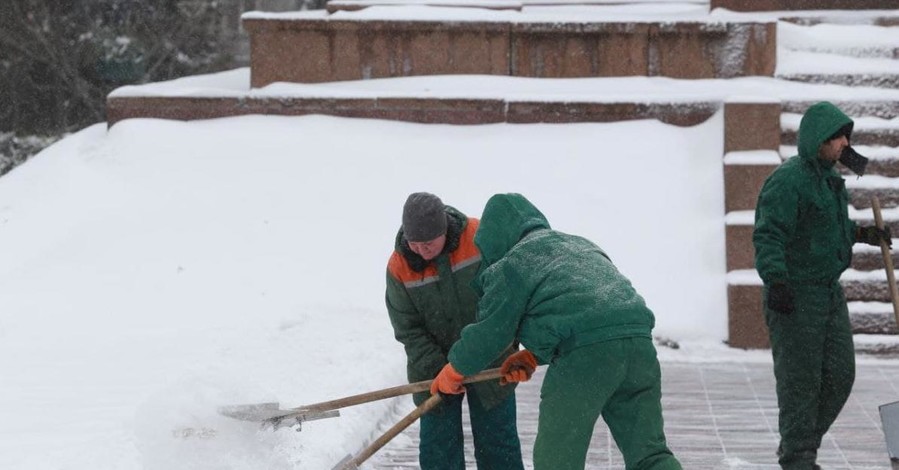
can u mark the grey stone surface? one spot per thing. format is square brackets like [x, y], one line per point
[717, 416]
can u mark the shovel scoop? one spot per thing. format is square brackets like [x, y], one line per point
[270, 415]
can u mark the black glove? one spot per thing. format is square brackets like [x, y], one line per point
[780, 298]
[873, 235]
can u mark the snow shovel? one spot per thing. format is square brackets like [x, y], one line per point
[887, 259]
[889, 413]
[352, 462]
[271, 415]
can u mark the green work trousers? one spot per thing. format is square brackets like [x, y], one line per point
[494, 430]
[814, 364]
[618, 379]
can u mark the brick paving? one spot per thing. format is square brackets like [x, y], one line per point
[717, 416]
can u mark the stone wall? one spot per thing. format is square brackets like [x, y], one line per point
[422, 110]
[321, 50]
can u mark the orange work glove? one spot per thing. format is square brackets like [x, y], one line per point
[448, 381]
[518, 367]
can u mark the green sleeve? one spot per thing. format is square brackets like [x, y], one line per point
[776, 217]
[422, 352]
[500, 310]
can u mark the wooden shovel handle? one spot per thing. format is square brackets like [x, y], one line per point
[887, 259]
[397, 428]
[391, 392]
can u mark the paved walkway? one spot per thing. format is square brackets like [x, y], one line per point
[717, 416]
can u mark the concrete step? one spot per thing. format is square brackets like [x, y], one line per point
[885, 137]
[883, 161]
[879, 80]
[815, 6]
[860, 197]
[867, 52]
[857, 17]
[852, 55]
[868, 131]
[877, 345]
[865, 286]
[870, 258]
[844, 39]
[883, 109]
[872, 318]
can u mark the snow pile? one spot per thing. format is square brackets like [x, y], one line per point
[162, 269]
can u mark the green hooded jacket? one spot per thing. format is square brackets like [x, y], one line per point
[551, 291]
[802, 229]
[429, 302]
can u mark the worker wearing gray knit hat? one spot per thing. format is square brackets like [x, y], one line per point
[429, 300]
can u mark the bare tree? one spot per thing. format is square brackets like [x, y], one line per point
[59, 59]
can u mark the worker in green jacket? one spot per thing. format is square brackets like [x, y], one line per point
[564, 300]
[430, 300]
[803, 241]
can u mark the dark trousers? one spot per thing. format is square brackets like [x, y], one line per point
[494, 430]
[814, 364]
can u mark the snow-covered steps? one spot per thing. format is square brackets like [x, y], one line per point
[872, 318]
[870, 258]
[814, 5]
[869, 131]
[884, 108]
[846, 54]
[868, 79]
[877, 345]
[865, 286]
[863, 190]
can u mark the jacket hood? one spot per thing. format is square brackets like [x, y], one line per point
[821, 121]
[507, 219]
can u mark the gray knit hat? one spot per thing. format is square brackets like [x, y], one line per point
[424, 217]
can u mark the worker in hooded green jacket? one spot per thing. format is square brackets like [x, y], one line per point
[564, 300]
[429, 300]
[803, 241]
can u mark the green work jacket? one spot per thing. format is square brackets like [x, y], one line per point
[551, 291]
[430, 302]
[802, 229]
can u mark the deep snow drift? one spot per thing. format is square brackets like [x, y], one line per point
[160, 269]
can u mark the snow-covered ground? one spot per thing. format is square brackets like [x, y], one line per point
[160, 269]
[155, 271]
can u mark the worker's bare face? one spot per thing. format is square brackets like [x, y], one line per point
[429, 249]
[833, 148]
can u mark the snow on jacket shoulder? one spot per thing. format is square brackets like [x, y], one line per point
[552, 291]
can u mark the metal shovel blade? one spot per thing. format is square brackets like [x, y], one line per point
[271, 415]
[257, 412]
[889, 416]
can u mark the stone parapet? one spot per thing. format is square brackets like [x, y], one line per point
[677, 49]
[317, 50]
[311, 50]
[422, 110]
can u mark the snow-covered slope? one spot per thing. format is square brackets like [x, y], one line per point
[158, 270]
